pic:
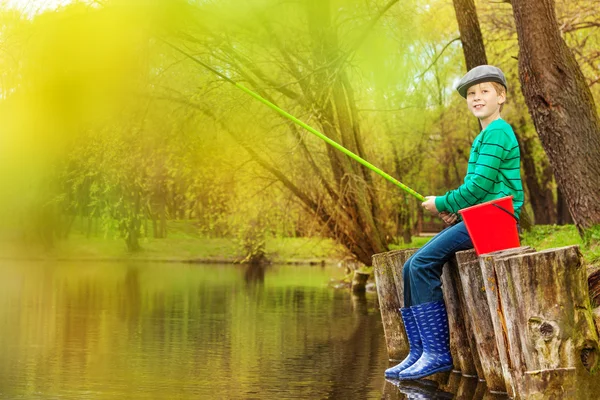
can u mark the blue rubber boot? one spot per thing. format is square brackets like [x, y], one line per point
[414, 344]
[432, 321]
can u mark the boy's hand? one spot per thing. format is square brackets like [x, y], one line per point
[429, 204]
[448, 218]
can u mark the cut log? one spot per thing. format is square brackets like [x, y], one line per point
[468, 388]
[487, 267]
[389, 304]
[359, 281]
[398, 259]
[556, 383]
[478, 314]
[545, 302]
[462, 341]
[479, 317]
[453, 382]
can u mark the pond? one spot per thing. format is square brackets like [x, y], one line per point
[181, 331]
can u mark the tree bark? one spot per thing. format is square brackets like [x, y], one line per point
[562, 108]
[541, 196]
[562, 209]
[470, 33]
[339, 121]
[594, 285]
[596, 315]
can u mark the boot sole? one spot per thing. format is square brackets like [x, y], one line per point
[424, 374]
[395, 376]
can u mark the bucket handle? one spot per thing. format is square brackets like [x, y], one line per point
[506, 211]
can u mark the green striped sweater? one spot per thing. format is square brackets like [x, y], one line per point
[493, 171]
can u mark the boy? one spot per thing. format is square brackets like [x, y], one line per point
[493, 172]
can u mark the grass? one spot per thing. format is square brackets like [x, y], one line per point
[417, 241]
[184, 243]
[542, 237]
[182, 249]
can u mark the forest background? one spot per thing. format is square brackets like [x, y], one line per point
[114, 141]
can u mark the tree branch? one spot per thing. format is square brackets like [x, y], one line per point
[437, 57]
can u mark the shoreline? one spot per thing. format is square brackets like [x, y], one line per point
[224, 261]
[185, 250]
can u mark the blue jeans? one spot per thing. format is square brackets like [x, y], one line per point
[423, 271]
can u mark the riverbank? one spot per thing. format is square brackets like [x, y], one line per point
[310, 251]
[180, 247]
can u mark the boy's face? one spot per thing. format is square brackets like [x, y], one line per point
[483, 100]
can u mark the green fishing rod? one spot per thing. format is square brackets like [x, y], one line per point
[305, 126]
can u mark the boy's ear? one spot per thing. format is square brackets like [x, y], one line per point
[502, 98]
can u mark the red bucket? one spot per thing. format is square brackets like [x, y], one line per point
[492, 226]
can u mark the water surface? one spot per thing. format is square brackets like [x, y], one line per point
[178, 331]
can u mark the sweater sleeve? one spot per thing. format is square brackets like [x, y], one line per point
[479, 181]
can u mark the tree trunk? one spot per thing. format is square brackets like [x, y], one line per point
[561, 106]
[339, 120]
[596, 315]
[562, 209]
[470, 33]
[541, 196]
[594, 285]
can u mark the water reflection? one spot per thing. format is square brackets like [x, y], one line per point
[440, 386]
[166, 331]
[254, 274]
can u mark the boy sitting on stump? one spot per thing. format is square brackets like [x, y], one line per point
[493, 172]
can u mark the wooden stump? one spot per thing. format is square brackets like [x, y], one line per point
[551, 339]
[359, 281]
[468, 388]
[398, 259]
[462, 342]
[475, 291]
[389, 304]
[478, 314]
[558, 383]
[453, 382]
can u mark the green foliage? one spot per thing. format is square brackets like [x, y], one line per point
[120, 136]
[252, 241]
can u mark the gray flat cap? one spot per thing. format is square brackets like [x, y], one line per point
[482, 73]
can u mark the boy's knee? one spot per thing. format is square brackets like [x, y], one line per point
[419, 264]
